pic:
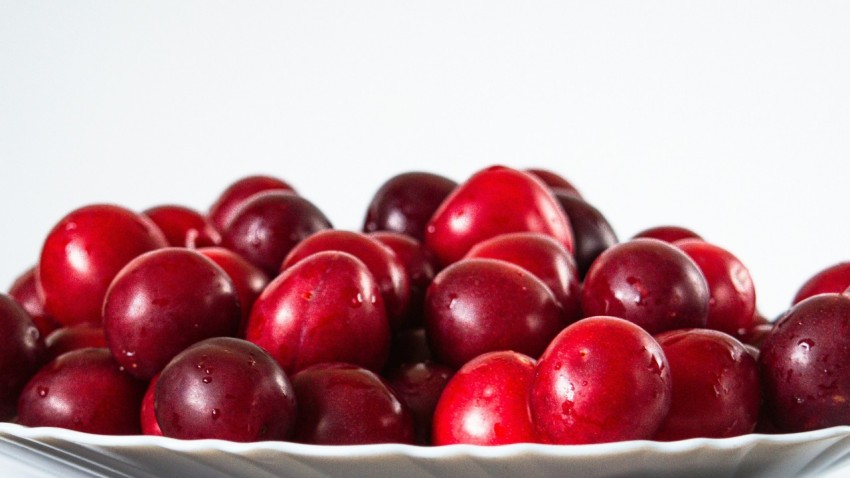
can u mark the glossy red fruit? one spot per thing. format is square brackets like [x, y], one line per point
[833, 279]
[494, 201]
[669, 234]
[84, 390]
[27, 293]
[74, 337]
[486, 402]
[225, 207]
[184, 227]
[325, 308]
[268, 225]
[419, 386]
[542, 256]
[805, 365]
[84, 252]
[732, 302]
[342, 404]
[248, 279]
[716, 390]
[648, 282]
[555, 181]
[21, 353]
[420, 265]
[483, 305]
[406, 202]
[381, 261]
[148, 416]
[164, 301]
[602, 379]
[225, 388]
[591, 231]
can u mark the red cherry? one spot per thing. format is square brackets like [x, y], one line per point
[716, 390]
[268, 225]
[381, 261]
[248, 280]
[554, 181]
[27, 292]
[225, 207]
[833, 279]
[84, 252]
[326, 307]
[484, 305]
[21, 353]
[225, 388]
[84, 390]
[486, 402]
[342, 404]
[602, 379]
[406, 202]
[184, 227]
[648, 282]
[732, 302]
[164, 301]
[494, 201]
[669, 234]
[74, 337]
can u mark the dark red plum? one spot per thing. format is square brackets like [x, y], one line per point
[26, 291]
[419, 386]
[248, 279]
[833, 279]
[591, 231]
[74, 337]
[406, 202]
[21, 353]
[232, 198]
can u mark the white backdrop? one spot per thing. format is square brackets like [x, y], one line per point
[728, 117]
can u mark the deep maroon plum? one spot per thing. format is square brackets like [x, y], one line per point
[147, 414]
[419, 386]
[27, 292]
[833, 279]
[805, 365]
[602, 379]
[732, 302]
[591, 231]
[554, 181]
[420, 265]
[268, 225]
[84, 252]
[406, 202]
[21, 353]
[716, 390]
[669, 234]
[84, 390]
[225, 388]
[248, 280]
[232, 198]
[649, 282]
[327, 307]
[486, 402]
[74, 337]
[184, 227]
[484, 305]
[409, 346]
[542, 256]
[342, 404]
[162, 302]
[381, 261]
[494, 201]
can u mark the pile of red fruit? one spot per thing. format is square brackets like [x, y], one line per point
[500, 310]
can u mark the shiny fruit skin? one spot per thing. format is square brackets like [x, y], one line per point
[486, 402]
[592, 233]
[325, 308]
[75, 337]
[248, 279]
[602, 379]
[26, 291]
[669, 234]
[183, 226]
[419, 386]
[405, 203]
[232, 198]
[833, 279]
[147, 414]
[22, 353]
[84, 252]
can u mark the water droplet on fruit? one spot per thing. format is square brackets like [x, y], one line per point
[129, 353]
[357, 300]
[216, 413]
[431, 229]
[207, 379]
[373, 299]
[307, 295]
[805, 344]
[42, 391]
[208, 371]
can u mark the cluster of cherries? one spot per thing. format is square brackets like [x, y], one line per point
[500, 310]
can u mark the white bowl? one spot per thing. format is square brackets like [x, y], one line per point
[52, 452]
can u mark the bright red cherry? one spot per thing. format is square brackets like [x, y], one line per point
[232, 198]
[164, 301]
[406, 202]
[84, 252]
[649, 282]
[27, 292]
[21, 353]
[602, 379]
[184, 227]
[494, 201]
[325, 308]
[833, 279]
[486, 402]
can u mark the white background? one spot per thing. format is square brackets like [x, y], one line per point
[728, 117]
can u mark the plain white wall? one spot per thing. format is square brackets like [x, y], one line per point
[729, 117]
